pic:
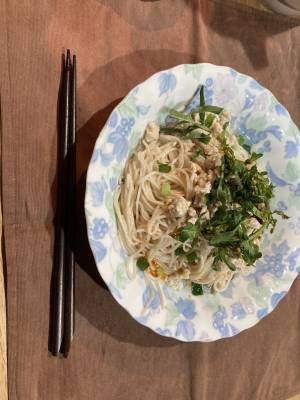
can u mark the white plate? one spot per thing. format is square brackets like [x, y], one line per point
[267, 125]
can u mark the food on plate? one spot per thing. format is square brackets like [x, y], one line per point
[193, 204]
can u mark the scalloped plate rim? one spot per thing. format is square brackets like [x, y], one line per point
[100, 140]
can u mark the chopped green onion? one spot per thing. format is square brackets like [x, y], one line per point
[142, 263]
[164, 168]
[165, 189]
[197, 289]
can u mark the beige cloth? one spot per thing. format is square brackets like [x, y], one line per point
[119, 44]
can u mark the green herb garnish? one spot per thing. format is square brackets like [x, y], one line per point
[250, 191]
[177, 130]
[142, 263]
[202, 137]
[179, 251]
[202, 104]
[165, 189]
[281, 213]
[211, 109]
[254, 157]
[240, 194]
[191, 257]
[202, 96]
[224, 238]
[250, 251]
[197, 289]
[199, 152]
[241, 141]
[209, 120]
[187, 118]
[182, 117]
[164, 168]
[190, 231]
[221, 255]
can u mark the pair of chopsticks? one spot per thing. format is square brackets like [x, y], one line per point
[62, 313]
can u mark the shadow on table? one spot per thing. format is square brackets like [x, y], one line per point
[86, 138]
[240, 23]
[149, 15]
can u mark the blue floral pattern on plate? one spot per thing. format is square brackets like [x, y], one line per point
[267, 126]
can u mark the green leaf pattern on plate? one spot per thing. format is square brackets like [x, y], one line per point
[292, 172]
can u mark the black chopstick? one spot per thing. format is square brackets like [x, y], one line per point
[70, 224]
[62, 316]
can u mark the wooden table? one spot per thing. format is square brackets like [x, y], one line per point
[3, 349]
[253, 3]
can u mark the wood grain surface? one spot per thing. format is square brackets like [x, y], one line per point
[3, 332]
[3, 350]
[258, 4]
[3, 346]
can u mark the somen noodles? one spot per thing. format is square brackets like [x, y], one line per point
[192, 204]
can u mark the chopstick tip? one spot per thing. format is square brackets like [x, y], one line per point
[68, 61]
